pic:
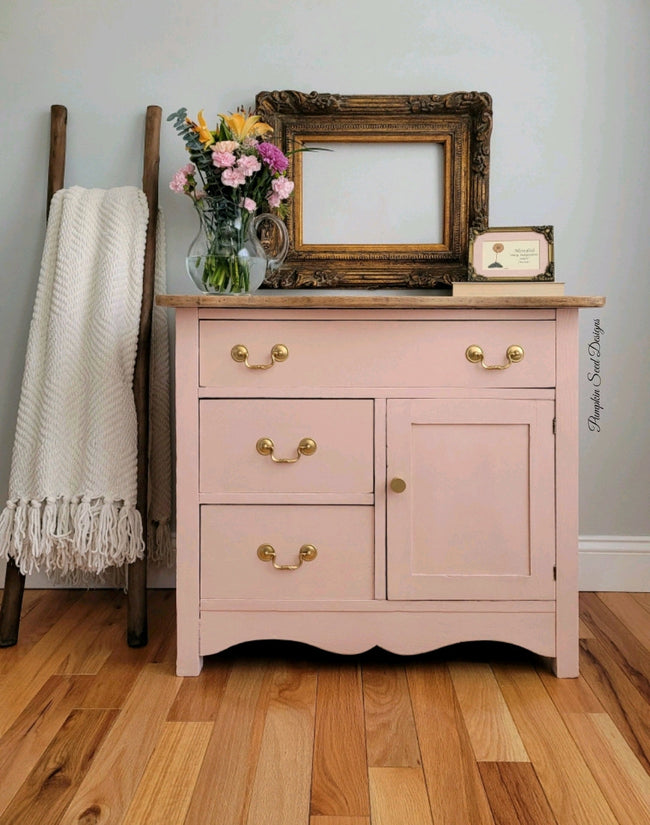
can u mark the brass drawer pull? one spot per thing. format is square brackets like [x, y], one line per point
[239, 353]
[265, 552]
[265, 446]
[398, 485]
[514, 354]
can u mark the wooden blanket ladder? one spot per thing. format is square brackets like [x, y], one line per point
[137, 631]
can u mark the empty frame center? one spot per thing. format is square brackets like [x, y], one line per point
[373, 193]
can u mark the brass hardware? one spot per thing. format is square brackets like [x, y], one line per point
[514, 354]
[265, 446]
[265, 552]
[398, 485]
[239, 353]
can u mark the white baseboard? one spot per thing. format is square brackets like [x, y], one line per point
[620, 563]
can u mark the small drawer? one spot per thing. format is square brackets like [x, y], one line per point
[339, 458]
[231, 536]
[374, 353]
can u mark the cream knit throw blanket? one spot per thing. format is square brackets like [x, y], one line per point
[73, 484]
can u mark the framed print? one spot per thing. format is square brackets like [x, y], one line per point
[511, 253]
[392, 199]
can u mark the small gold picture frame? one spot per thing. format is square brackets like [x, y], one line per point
[511, 253]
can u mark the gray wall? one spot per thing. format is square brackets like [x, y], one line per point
[569, 147]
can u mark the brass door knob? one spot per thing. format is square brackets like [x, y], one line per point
[398, 485]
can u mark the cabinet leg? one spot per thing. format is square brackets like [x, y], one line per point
[189, 665]
[566, 667]
[12, 602]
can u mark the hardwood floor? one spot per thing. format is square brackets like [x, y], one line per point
[93, 732]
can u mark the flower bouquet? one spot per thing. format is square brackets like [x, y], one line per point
[234, 172]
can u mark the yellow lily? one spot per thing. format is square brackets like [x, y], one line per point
[205, 135]
[242, 126]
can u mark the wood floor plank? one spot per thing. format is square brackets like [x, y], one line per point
[397, 796]
[165, 790]
[624, 648]
[643, 599]
[585, 632]
[631, 613]
[54, 780]
[92, 650]
[281, 789]
[118, 674]
[23, 744]
[515, 795]
[619, 773]
[391, 739]
[618, 696]
[446, 751]
[570, 695]
[41, 610]
[50, 655]
[339, 820]
[199, 698]
[492, 731]
[572, 792]
[224, 785]
[110, 784]
[340, 776]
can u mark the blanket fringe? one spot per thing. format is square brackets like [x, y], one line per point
[160, 550]
[70, 537]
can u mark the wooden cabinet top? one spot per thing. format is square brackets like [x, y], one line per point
[374, 299]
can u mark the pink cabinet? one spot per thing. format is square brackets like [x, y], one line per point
[476, 517]
[348, 477]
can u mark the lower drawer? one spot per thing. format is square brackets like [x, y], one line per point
[342, 535]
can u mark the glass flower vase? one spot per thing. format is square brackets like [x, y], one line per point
[226, 255]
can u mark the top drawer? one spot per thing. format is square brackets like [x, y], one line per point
[376, 353]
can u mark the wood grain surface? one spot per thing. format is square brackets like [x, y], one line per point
[374, 299]
[275, 733]
[391, 738]
[340, 773]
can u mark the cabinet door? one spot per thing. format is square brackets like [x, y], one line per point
[476, 519]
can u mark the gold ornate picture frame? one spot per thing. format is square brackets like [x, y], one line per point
[456, 127]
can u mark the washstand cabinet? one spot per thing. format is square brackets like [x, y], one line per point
[394, 470]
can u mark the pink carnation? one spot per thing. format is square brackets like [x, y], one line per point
[179, 183]
[273, 200]
[249, 164]
[225, 146]
[282, 187]
[233, 177]
[248, 204]
[223, 160]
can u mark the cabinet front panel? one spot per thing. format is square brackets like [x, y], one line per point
[231, 568]
[376, 354]
[342, 433]
[476, 517]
